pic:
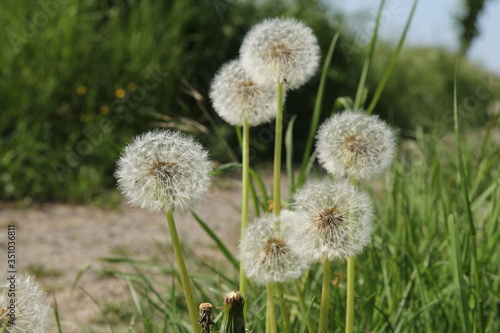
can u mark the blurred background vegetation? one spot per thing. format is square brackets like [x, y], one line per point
[80, 78]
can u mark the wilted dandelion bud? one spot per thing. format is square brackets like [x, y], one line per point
[163, 171]
[280, 51]
[266, 255]
[233, 320]
[236, 97]
[30, 311]
[356, 145]
[205, 317]
[338, 220]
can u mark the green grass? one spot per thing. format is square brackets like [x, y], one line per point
[416, 276]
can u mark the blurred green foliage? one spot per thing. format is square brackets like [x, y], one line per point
[80, 78]
[421, 88]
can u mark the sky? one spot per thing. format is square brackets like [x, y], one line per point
[433, 24]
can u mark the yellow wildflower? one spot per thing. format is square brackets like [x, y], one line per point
[120, 93]
[81, 90]
[104, 110]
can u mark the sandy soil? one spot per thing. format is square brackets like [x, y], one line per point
[57, 241]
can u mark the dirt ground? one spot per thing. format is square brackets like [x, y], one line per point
[57, 241]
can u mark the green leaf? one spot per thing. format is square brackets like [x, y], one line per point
[218, 242]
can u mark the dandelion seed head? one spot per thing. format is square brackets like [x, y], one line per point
[280, 51]
[329, 217]
[337, 222]
[266, 254]
[356, 145]
[33, 312]
[163, 171]
[236, 97]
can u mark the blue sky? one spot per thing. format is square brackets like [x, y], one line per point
[433, 24]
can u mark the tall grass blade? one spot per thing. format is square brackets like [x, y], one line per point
[475, 268]
[458, 274]
[56, 314]
[224, 167]
[366, 66]
[316, 113]
[135, 299]
[392, 63]
[218, 242]
[255, 199]
[305, 309]
[260, 184]
[106, 318]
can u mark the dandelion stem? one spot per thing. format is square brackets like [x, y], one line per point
[268, 323]
[244, 198]
[303, 306]
[278, 139]
[186, 285]
[284, 310]
[277, 152]
[271, 320]
[349, 320]
[325, 296]
[349, 317]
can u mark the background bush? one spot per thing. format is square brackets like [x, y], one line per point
[81, 78]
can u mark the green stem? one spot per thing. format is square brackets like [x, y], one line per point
[349, 319]
[268, 323]
[278, 139]
[303, 306]
[186, 285]
[244, 198]
[285, 315]
[316, 114]
[325, 296]
[271, 314]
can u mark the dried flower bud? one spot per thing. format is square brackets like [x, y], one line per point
[205, 317]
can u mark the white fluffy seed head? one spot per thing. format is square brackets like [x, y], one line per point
[163, 171]
[356, 145]
[280, 51]
[236, 97]
[338, 220]
[265, 253]
[33, 312]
